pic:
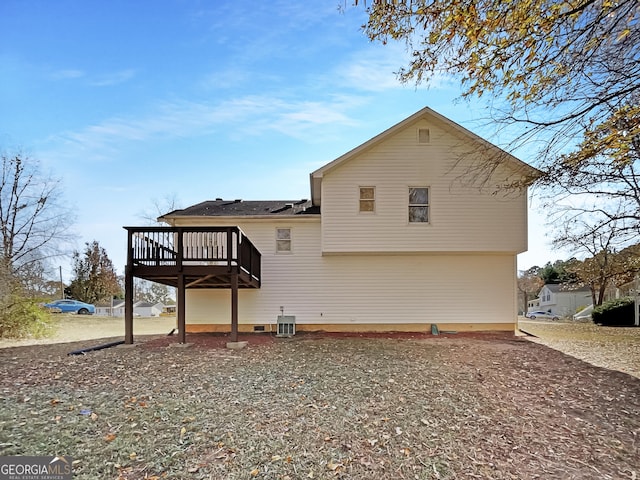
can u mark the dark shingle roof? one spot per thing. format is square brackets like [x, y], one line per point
[232, 208]
[563, 287]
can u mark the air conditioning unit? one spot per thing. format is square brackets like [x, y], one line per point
[286, 326]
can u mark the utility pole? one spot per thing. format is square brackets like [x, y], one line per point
[61, 285]
[636, 300]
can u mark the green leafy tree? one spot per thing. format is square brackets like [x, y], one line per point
[152, 292]
[95, 278]
[556, 272]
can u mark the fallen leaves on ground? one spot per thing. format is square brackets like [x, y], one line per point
[324, 408]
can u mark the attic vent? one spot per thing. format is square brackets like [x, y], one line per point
[424, 135]
[286, 326]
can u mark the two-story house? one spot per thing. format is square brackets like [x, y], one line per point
[562, 300]
[393, 238]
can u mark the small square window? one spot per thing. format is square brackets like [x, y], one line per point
[418, 204]
[367, 199]
[283, 240]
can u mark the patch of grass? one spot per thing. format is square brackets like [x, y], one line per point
[617, 348]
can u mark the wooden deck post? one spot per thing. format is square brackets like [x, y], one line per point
[234, 307]
[181, 309]
[128, 305]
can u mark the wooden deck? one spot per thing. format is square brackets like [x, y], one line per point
[190, 257]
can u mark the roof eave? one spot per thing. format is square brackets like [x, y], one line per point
[171, 220]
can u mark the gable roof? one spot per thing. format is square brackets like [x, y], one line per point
[117, 303]
[245, 208]
[426, 112]
[143, 304]
[565, 288]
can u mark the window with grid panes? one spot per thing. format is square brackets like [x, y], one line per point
[283, 240]
[367, 199]
[418, 204]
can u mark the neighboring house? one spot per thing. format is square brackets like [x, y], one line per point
[147, 309]
[391, 240]
[562, 300]
[140, 309]
[115, 309]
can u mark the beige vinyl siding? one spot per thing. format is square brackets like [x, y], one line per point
[461, 219]
[362, 289]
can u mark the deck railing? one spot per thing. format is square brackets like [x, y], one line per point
[182, 246]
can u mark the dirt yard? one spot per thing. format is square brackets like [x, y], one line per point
[616, 348]
[324, 407]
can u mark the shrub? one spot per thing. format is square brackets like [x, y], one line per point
[24, 318]
[619, 312]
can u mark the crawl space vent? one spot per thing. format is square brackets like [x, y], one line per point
[286, 326]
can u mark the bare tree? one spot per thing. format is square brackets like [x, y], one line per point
[529, 285]
[159, 207]
[144, 289]
[596, 188]
[33, 220]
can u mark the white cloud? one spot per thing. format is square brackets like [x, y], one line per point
[253, 115]
[375, 69]
[113, 78]
[66, 74]
[105, 80]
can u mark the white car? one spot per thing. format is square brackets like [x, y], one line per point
[541, 314]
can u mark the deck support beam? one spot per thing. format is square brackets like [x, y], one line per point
[234, 307]
[182, 324]
[128, 305]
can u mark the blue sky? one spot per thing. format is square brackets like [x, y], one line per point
[130, 102]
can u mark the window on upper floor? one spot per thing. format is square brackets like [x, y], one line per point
[283, 240]
[367, 199]
[418, 204]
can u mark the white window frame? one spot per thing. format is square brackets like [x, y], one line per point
[426, 205]
[361, 199]
[284, 241]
